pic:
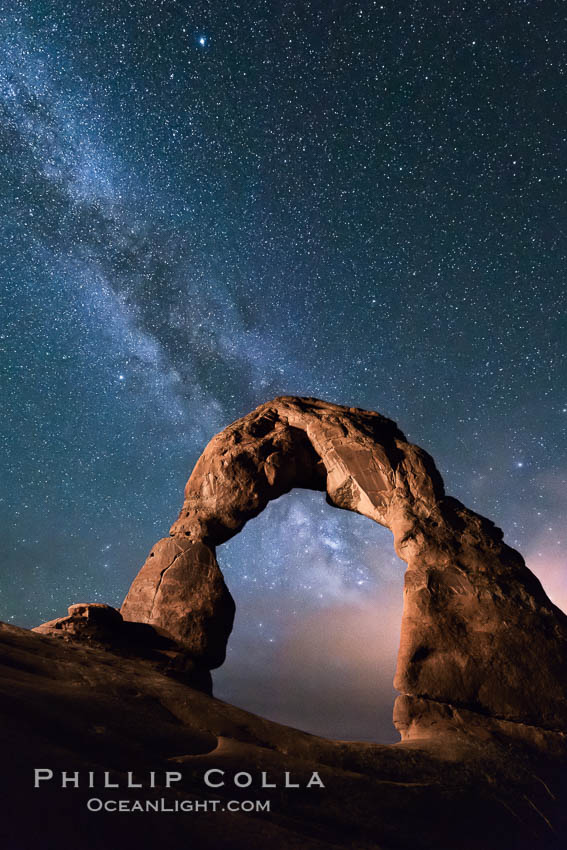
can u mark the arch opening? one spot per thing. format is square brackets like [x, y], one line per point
[318, 599]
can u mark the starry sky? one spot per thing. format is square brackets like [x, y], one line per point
[207, 204]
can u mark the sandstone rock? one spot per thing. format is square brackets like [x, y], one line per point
[181, 589]
[85, 620]
[478, 631]
[98, 625]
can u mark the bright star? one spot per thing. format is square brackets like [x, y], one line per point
[202, 41]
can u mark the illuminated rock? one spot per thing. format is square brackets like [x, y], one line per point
[478, 631]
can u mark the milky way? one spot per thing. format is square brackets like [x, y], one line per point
[205, 205]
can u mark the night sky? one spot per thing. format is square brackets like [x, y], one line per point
[208, 204]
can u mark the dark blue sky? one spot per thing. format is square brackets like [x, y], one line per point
[205, 205]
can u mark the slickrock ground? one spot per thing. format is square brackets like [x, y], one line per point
[69, 704]
[482, 674]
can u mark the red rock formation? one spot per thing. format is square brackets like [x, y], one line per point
[478, 631]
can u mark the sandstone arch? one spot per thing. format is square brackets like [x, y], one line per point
[478, 632]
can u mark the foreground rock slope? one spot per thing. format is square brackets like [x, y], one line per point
[72, 704]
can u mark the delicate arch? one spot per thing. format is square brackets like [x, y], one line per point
[472, 610]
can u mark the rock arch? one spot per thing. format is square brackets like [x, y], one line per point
[478, 631]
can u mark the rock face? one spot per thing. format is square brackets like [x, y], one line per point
[478, 632]
[181, 589]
